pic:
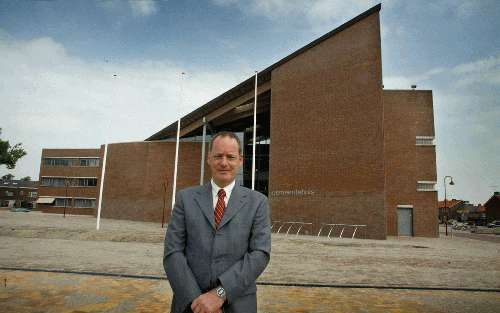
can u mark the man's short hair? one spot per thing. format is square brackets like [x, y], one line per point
[226, 134]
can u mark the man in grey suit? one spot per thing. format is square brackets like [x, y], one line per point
[218, 240]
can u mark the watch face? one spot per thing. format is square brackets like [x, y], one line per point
[221, 292]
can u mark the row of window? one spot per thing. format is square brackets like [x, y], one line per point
[424, 141]
[92, 162]
[426, 186]
[75, 202]
[31, 194]
[69, 181]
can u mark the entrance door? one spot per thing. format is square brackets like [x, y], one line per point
[405, 221]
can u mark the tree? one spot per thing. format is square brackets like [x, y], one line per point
[7, 177]
[9, 155]
[27, 178]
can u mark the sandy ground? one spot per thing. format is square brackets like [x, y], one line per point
[49, 241]
[33, 292]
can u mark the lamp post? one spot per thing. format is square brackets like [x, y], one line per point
[445, 207]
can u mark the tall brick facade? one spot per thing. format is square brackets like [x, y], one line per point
[327, 132]
[408, 114]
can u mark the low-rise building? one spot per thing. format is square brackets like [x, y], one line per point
[18, 194]
[69, 180]
[448, 209]
[474, 214]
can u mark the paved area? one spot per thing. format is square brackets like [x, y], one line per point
[54, 292]
[48, 241]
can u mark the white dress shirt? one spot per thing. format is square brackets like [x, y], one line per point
[215, 189]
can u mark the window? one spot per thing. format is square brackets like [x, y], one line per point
[94, 162]
[424, 141]
[71, 181]
[9, 193]
[56, 162]
[53, 181]
[84, 203]
[89, 162]
[33, 194]
[63, 202]
[426, 186]
[85, 182]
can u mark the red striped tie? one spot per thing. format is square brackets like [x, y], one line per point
[219, 207]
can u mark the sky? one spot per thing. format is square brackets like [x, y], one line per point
[78, 74]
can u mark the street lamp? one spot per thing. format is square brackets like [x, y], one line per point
[445, 207]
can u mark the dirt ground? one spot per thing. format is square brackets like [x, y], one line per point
[68, 293]
[48, 241]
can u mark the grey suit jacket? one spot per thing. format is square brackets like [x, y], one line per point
[197, 256]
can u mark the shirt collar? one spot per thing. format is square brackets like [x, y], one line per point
[228, 189]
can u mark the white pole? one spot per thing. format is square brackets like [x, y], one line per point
[254, 132]
[102, 186]
[177, 145]
[202, 174]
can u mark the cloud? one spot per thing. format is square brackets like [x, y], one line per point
[485, 71]
[51, 99]
[225, 2]
[143, 7]
[137, 7]
[461, 8]
[317, 13]
[481, 71]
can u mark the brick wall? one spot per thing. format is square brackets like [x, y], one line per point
[407, 114]
[327, 132]
[139, 177]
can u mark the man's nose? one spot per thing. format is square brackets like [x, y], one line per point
[224, 161]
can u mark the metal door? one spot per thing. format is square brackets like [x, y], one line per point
[405, 222]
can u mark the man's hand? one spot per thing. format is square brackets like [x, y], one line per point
[208, 302]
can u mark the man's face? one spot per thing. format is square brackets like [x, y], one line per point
[224, 160]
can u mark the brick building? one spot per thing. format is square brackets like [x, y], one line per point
[492, 207]
[450, 209]
[69, 180]
[18, 194]
[332, 145]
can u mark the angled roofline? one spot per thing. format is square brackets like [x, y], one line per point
[248, 84]
[326, 36]
[493, 197]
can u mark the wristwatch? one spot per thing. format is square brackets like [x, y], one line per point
[220, 292]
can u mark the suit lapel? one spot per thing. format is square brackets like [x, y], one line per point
[236, 202]
[204, 200]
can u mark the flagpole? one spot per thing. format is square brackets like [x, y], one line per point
[202, 165]
[254, 132]
[177, 144]
[103, 172]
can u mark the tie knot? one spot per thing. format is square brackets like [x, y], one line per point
[221, 193]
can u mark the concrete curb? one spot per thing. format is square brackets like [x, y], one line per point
[261, 283]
